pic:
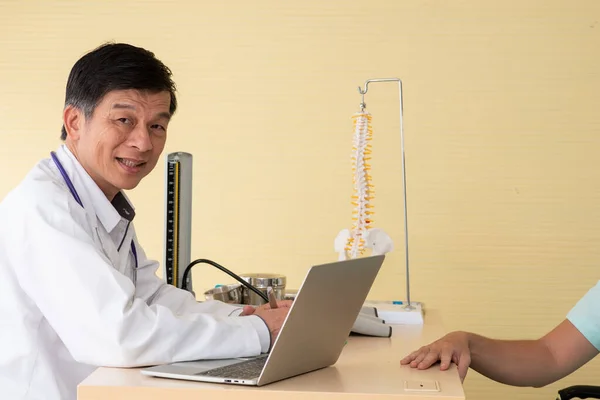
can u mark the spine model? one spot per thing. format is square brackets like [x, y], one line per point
[362, 197]
[352, 243]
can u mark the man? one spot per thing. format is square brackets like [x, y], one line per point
[535, 363]
[76, 288]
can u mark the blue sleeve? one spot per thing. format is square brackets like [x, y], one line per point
[586, 315]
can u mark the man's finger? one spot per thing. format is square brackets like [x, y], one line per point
[463, 365]
[419, 358]
[248, 310]
[429, 359]
[409, 357]
[445, 358]
[284, 303]
[412, 356]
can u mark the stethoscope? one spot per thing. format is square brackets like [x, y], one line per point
[76, 196]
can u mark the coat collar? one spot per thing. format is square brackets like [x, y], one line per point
[109, 213]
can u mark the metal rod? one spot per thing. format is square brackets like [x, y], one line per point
[363, 105]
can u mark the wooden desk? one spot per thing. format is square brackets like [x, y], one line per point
[367, 367]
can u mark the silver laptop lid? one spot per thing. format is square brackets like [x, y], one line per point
[321, 318]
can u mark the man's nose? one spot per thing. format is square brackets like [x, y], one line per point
[140, 138]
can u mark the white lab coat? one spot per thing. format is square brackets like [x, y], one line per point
[68, 303]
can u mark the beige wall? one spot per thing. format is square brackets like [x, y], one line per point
[501, 126]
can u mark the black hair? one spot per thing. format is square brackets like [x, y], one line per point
[115, 66]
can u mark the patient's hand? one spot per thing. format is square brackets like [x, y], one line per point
[454, 347]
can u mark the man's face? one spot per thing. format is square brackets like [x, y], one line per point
[122, 141]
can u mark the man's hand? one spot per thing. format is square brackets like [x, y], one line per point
[454, 347]
[273, 318]
[249, 310]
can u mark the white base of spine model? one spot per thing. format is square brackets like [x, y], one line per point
[375, 239]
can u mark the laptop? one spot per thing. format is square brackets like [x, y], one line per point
[312, 336]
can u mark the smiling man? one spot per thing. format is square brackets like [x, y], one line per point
[76, 288]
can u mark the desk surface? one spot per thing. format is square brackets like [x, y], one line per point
[367, 366]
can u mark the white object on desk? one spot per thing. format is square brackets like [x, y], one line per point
[398, 314]
[370, 325]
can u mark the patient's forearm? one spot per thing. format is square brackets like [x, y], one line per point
[513, 362]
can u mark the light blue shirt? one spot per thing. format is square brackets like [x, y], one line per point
[586, 315]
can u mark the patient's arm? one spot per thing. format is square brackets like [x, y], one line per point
[513, 362]
[532, 362]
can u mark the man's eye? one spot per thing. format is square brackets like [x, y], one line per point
[159, 127]
[124, 120]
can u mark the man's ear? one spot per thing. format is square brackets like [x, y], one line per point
[73, 121]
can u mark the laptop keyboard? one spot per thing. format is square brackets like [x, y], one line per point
[243, 370]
